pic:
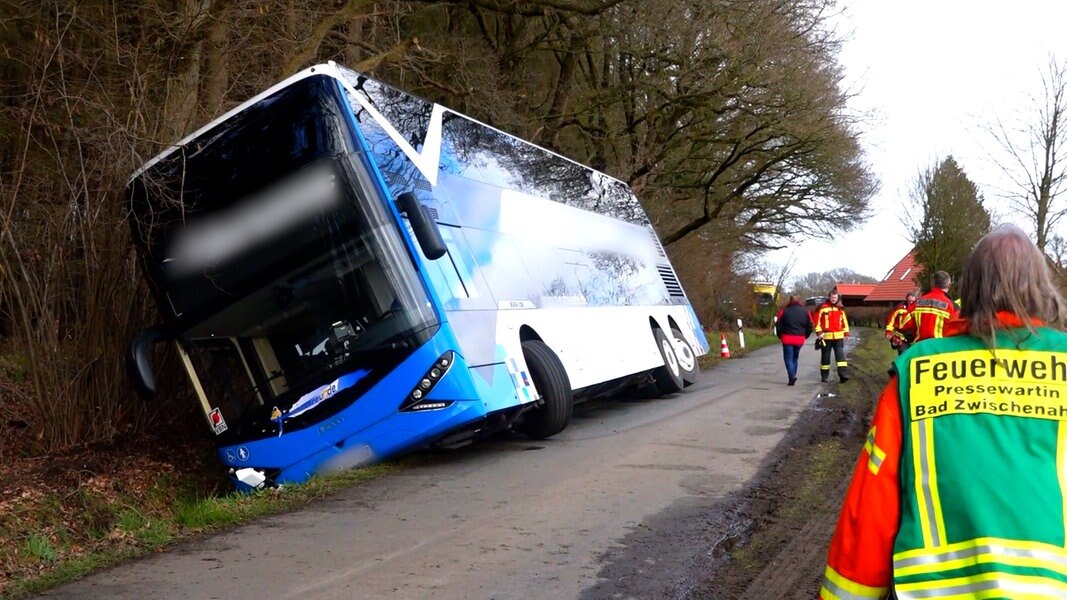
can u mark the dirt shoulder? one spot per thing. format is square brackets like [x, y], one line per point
[783, 521]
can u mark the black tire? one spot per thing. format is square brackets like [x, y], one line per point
[668, 378]
[552, 382]
[687, 359]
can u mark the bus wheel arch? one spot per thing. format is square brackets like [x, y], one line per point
[687, 357]
[527, 333]
[552, 383]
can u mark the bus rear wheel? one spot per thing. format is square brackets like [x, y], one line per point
[554, 385]
[668, 378]
[687, 359]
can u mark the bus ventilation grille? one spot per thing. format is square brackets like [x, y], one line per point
[657, 243]
[673, 287]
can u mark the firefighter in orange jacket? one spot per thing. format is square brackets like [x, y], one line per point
[958, 491]
[831, 329]
[931, 312]
[897, 338]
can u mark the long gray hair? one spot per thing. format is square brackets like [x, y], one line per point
[1006, 272]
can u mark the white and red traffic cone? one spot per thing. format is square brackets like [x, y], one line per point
[725, 352]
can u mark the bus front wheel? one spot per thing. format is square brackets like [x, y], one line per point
[668, 378]
[554, 385]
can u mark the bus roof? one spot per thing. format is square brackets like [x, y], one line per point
[431, 149]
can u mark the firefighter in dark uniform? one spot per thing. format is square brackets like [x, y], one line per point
[831, 329]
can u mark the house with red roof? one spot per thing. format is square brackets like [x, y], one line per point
[854, 294]
[851, 294]
[901, 279]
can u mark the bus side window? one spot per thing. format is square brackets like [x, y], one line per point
[451, 275]
[459, 262]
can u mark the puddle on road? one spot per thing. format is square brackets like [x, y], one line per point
[763, 430]
[733, 450]
[665, 467]
[771, 414]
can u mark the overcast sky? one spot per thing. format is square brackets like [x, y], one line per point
[928, 76]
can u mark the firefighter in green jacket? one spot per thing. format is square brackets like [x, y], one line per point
[961, 488]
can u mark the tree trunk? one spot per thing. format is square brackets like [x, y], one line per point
[215, 71]
[180, 105]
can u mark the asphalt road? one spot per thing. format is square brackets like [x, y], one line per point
[511, 518]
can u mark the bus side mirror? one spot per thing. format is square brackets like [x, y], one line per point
[422, 223]
[138, 365]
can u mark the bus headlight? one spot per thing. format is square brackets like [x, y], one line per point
[416, 399]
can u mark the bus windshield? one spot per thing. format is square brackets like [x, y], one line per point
[285, 273]
[322, 329]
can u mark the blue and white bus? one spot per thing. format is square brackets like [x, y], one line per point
[348, 272]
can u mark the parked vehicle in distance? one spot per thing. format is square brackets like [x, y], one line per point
[766, 293]
[348, 272]
[814, 302]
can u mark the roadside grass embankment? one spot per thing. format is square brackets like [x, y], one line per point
[754, 340]
[51, 535]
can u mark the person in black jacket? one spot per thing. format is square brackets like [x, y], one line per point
[793, 325]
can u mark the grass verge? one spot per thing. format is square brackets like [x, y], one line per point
[60, 536]
[754, 340]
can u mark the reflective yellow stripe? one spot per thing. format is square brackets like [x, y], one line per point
[842, 363]
[822, 323]
[837, 587]
[875, 455]
[1061, 469]
[932, 525]
[957, 546]
[920, 490]
[985, 585]
[940, 315]
[937, 312]
[935, 494]
[981, 551]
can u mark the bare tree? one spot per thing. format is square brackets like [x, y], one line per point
[1056, 250]
[726, 116]
[774, 273]
[819, 284]
[1033, 156]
